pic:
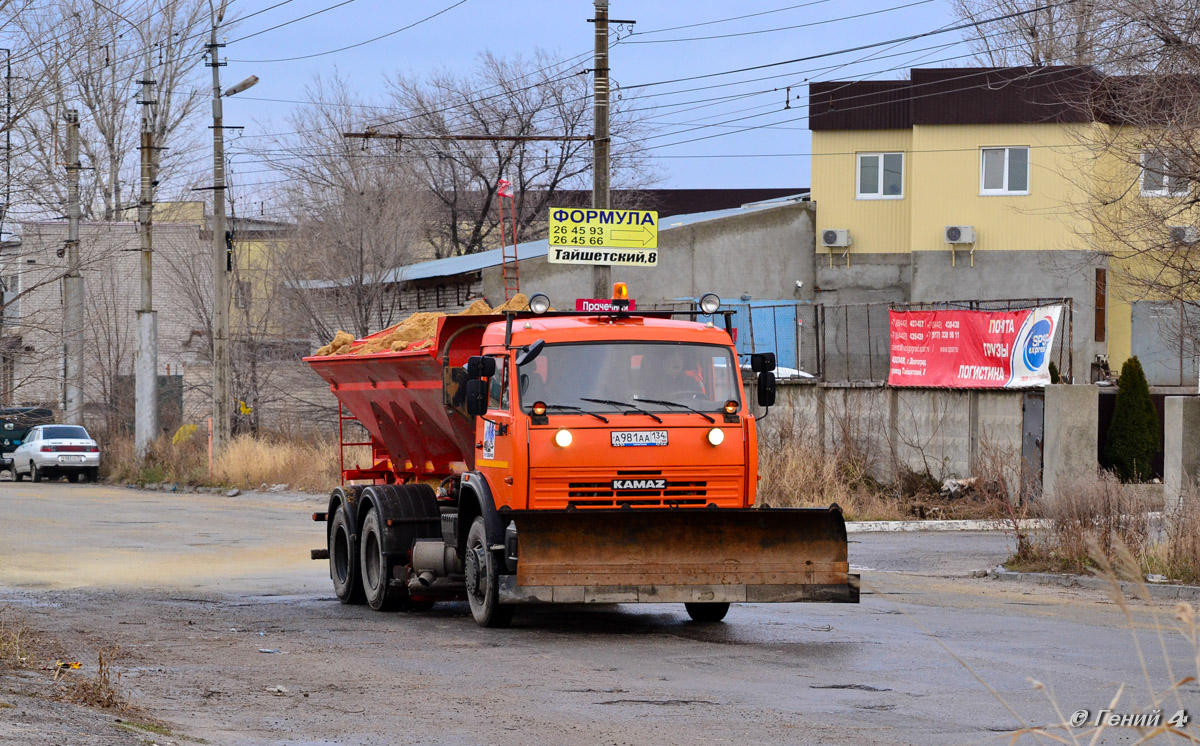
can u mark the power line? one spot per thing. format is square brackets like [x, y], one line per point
[734, 18]
[780, 28]
[942, 30]
[859, 48]
[361, 43]
[294, 20]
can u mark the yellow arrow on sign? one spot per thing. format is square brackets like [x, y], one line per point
[644, 235]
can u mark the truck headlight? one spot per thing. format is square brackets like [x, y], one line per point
[539, 303]
[563, 438]
[716, 436]
[710, 303]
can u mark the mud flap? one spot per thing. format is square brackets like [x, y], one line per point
[631, 556]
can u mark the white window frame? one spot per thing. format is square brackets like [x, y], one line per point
[858, 193]
[1166, 188]
[1004, 191]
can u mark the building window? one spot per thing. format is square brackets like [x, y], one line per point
[1163, 174]
[880, 175]
[242, 294]
[1004, 171]
[1101, 303]
[10, 288]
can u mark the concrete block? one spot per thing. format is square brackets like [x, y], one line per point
[1181, 449]
[1072, 420]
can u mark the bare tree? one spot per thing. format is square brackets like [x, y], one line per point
[503, 96]
[96, 63]
[358, 217]
[1040, 32]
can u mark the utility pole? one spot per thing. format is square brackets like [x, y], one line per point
[73, 282]
[146, 366]
[222, 254]
[601, 274]
[7, 138]
[220, 257]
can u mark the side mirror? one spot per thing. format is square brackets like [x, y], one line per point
[766, 388]
[481, 367]
[529, 352]
[477, 393]
[762, 361]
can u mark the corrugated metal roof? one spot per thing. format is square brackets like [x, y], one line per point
[457, 265]
[969, 95]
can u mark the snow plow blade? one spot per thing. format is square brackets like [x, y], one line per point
[644, 556]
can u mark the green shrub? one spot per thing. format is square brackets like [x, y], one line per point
[1053, 370]
[1133, 434]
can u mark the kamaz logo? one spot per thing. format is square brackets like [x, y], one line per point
[639, 484]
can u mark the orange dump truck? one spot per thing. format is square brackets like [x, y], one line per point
[534, 458]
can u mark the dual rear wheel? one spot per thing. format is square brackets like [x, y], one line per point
[363, 559]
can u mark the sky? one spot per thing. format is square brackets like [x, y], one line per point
[745, 138]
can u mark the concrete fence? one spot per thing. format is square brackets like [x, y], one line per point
[946, 434]
[1038, 441]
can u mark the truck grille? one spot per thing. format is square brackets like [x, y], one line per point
[667, 487]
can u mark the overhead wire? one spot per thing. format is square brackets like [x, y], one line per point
[945, 29]
[902, 39]
[873, 72]
[358, 44]
[810, 24]
[942, 92]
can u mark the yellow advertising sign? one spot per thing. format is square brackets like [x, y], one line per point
[617, 229]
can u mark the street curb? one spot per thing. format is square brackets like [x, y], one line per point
[1131, 590]
[857, 527]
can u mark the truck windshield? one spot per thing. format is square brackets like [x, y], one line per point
[702, 377]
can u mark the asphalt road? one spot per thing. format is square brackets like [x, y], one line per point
[192, 588]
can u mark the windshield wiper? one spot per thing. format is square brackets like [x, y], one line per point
[664, 402]
[581, 410]
[633, 407]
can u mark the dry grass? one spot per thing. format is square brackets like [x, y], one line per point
[1177, 556]
[1116, 563]
[795, 472]
[100, 690]
[247, 462]
[20, 649]
[184, 462]
[1089, 518]
[15, 641]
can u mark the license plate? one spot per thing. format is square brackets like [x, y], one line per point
[71, 459]
[639, 437]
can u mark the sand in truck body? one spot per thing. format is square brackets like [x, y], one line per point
[414, 333]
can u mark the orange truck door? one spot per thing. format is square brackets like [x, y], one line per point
[495, 459]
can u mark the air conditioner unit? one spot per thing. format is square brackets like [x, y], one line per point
[1188, 234]
[835, 237]
[960, 234]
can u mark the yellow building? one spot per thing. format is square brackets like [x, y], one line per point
[982, 184]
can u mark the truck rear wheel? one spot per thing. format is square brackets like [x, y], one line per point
[483, 580]
[376, 568]
[410, 512]
[707, 612]
[343, 560]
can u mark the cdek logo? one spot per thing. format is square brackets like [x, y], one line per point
[639, 484]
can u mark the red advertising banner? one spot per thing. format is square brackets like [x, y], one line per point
[972, 349]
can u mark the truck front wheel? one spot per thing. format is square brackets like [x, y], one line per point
[483, 580]
[343, 560]
[707, 612]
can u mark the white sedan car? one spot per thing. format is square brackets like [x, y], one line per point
[55, 450]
